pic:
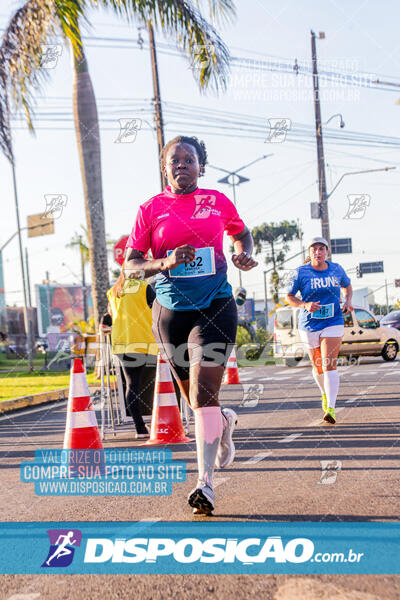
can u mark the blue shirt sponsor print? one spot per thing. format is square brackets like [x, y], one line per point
[323, 286]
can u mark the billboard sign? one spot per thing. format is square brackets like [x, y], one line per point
[58, 306]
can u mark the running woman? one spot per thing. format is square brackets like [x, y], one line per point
[194, 314]
[321, 322]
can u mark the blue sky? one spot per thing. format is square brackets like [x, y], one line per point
[360, 37]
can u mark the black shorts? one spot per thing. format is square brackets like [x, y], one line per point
[190, 336]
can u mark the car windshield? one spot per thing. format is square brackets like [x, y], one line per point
[392, 316]
[284, 319]
[365, 319]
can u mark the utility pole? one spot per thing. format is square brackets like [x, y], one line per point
[48, 298]
[85, 310]
[157, 100]
[21, 258]
[301, 240]
[324, 216]
[387, 297]
[265, 300]
[28, 279]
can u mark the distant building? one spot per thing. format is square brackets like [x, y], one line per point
[15, 322]
[363, 297]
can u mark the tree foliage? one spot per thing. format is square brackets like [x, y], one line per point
[273, 240]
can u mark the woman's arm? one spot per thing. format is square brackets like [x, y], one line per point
[348, 295]
[243, 245]
[140, 268]
[297, 302]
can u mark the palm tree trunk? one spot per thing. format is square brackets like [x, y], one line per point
[88, 136]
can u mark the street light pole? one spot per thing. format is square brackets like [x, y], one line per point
[265, 299]
[358, 173]
[21, 257]
[85, 310]
[324, 216]
[233, 179]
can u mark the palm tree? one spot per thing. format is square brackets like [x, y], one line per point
[37, 22]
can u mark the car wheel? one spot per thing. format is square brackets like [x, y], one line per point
[389, 351]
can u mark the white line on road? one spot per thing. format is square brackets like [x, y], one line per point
[351, 400]
[289, 438]
[30, 596]
[257, 457]
[272, 378]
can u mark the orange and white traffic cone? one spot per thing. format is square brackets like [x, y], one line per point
[166, 422]
[232, 371]
[81, 431]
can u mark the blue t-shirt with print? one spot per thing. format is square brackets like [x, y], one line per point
[323, 286]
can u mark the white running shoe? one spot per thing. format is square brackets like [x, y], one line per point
[202, 498]
[226, 448]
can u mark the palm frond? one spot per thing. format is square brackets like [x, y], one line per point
[183, 21]
[32, 27]
[5, 130]
[21, 51]
[220, 11]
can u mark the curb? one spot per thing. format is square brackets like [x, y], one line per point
[7, 406]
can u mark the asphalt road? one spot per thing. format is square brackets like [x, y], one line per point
[289, 466]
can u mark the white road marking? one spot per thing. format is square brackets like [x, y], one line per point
[273, 378]
[289, 438]
[30, 596]
[351, 400]
[257, 457]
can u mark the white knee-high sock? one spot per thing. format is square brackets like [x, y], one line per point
[208, 429]
[319, 380]
[331, 385]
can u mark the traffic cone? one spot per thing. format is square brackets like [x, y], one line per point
[232, 371]
[81, 431]
[166, 422]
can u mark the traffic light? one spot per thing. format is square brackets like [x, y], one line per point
[240, 296]
[359, 271]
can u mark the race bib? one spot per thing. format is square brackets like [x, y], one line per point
[203, 264]
[324, 312]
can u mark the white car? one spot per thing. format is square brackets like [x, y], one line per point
[363, 336]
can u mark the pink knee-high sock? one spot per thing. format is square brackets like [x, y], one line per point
[208, 429]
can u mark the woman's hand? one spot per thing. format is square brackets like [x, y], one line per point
[243, 261]
[181, 254]
[347, 307]
[312, 306]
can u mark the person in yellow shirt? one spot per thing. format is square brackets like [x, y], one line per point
[130, 302]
